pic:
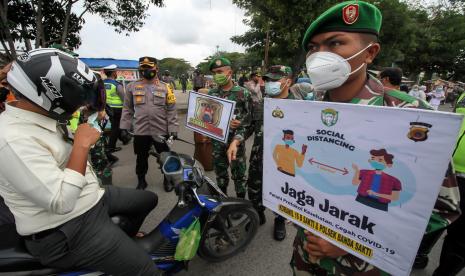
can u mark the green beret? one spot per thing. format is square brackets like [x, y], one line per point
[350, 16]
[277, 72]
[218, 62]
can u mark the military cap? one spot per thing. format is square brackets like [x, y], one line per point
[147, 62]
[349, 16]
[277, 72]
[218, 62]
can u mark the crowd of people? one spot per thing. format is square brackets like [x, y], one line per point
[63, 212]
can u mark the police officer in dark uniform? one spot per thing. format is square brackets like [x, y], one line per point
[152, 104]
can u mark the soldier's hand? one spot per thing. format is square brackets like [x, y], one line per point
[320, 248]
[232, 150]
[86, 136]
[234, 124]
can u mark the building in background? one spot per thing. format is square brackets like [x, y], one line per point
[127, 69]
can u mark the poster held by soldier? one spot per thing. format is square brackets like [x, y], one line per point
[364, 178]
[209, 115]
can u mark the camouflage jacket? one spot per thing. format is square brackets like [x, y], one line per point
[242, 111]
[299, 91]
[445, 211]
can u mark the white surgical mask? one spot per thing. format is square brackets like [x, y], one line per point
[328, 70]
[272, 88]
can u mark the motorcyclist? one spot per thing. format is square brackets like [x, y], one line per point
[48, 184]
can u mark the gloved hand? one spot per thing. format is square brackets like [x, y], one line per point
[174, 135]
[125, 136]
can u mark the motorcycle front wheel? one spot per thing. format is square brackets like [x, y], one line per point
[231, 232]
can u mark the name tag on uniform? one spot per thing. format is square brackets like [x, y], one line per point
[159, 94]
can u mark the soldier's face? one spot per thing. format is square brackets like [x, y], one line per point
[226, 70]
[346, 45]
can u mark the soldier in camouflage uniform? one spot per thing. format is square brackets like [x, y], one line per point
[98, 157]
[222, 75]
[278, 85]
[350, 30]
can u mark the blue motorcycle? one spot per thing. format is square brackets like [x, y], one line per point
[227, 224]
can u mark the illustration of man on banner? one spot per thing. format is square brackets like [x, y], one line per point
[376, 188]
[285, 157]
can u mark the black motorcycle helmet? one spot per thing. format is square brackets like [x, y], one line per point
[56, 81]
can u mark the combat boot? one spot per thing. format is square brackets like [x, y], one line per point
[279, 228]
[261, 216]
[111, 159]
[450, 266]
[224, 190]
[142, 184]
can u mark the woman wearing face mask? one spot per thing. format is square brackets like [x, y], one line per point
[340, 44]
[436, 97]
[278, 85]
[222, 76]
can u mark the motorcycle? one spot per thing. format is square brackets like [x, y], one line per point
[227, 225]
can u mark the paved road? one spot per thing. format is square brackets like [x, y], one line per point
[264, 256]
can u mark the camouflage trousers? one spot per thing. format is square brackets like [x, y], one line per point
[238, 167]
[255, 179]
[100, 162]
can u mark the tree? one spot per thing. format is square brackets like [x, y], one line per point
[240, 62]
[286, 22]
[54, 21]
[417, 35]
[176, 66]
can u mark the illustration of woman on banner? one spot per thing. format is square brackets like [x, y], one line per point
[376, 188]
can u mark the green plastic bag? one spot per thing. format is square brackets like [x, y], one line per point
[189, 240]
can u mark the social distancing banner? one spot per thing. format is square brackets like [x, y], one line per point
[364, 178]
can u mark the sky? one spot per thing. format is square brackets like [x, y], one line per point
[187, 29]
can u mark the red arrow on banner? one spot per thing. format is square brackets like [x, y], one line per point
[312, 161]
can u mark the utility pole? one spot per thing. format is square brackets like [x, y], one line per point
[267, 48]
[217, 50]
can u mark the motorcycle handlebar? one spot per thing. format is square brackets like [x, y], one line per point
[181, 190]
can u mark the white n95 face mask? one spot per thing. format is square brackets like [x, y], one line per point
[328, 70]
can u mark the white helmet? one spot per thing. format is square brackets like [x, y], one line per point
[55, 81]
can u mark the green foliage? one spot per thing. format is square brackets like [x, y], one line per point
[124, 15]
[241, 62]
[175, 66]
[286, 22]
[60, 24]
[417, 35]
[22, 23]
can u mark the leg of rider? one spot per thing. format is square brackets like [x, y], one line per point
[221, 165]
[238, 170]
[93, 242]
[109, 249]
[132, 204]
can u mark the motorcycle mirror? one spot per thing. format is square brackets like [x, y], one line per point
[172, 166]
